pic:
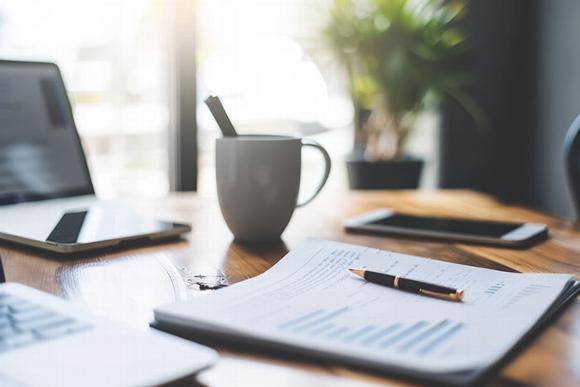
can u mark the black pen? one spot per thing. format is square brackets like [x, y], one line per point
[409, 285]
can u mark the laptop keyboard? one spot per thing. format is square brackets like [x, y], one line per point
[24, 323]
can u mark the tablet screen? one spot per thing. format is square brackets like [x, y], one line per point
[456, 226]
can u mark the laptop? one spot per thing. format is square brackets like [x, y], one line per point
[46, 341]
[47, 198]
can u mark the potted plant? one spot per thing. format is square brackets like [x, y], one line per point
[401, 57]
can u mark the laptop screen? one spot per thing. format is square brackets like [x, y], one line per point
[40, 152]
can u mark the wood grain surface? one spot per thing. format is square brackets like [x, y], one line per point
[127, 285]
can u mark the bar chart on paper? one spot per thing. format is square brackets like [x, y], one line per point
[309, 302]
[420, 337]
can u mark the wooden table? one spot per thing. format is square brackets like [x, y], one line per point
[127, 285]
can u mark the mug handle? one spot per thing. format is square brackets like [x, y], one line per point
[316, 145]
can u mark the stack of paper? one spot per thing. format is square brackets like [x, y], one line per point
[309, 303]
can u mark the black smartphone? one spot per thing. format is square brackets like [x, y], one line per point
[387, 221]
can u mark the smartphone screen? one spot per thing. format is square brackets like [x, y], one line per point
[456, 226]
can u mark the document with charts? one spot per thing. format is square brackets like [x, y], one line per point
[310, 301]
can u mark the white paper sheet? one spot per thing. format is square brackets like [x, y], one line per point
[310, 299]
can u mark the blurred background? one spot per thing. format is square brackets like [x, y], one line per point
[404, 94]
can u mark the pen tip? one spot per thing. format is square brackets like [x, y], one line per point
[358, 272]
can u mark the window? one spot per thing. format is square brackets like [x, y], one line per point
[261, 57]
[115, 61]
[267, 61]
[264, 58]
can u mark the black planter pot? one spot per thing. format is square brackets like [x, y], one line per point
[393, 174]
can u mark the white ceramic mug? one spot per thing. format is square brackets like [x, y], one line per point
[258, 178]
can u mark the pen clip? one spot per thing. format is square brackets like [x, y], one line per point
[457, 296]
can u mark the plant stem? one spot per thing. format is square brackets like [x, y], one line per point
[401, 135]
